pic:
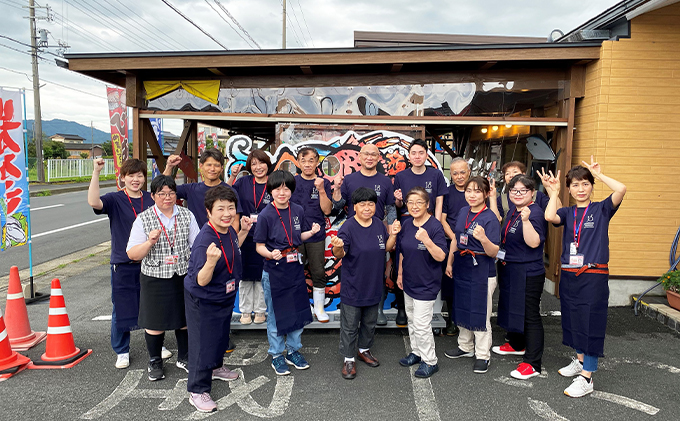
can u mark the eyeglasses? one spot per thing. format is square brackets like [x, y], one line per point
[371, 154]
[417, 202]
[519, 192]
[164, 195]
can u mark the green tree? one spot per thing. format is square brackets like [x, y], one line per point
[84, 155]
[54, 150]
[108, 149]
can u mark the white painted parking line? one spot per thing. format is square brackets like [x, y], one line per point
[47, 207]
[627, 402]
[514, 382]
[422, 392]
[68, 228]
[98, 318]
[544, 411]
[543, 313]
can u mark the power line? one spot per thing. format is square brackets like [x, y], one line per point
[160, 31]
[86, 34]
[53, 83]
[22, 52]
[29, 46]
[292, 27]
[227, 22]
[146, 35]
[292, 8]
[236, 22]
[305, 21]
[179, 12]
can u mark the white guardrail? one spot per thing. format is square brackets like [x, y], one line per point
[70, 168]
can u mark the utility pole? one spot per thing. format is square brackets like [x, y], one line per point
[37, 131]
[91, 140]
[284, 25]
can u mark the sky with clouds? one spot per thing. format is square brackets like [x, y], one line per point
[94, 26]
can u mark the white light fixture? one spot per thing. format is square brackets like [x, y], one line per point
[507, 126]
[484, 130]
[494, 128]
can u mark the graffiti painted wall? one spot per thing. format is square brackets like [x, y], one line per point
[393, 148]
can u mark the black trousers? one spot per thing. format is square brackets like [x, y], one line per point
[533, 338]
[357, 328]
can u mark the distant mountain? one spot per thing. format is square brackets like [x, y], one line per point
[52, 127]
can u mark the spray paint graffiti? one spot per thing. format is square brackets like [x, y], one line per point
[393, 148]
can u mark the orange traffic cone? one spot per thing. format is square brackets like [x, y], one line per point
[11, 362]
[61, 351]
[21, 337]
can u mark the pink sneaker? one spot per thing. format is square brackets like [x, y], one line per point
[524, 371]
[202, 402]
[506, 349]
[224, 374]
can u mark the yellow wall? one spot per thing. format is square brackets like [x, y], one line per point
[630, 120]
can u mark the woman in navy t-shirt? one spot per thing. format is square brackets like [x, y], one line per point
[209, 294]
[477, 235]
[584, 279]
[521, 276]
[252, 192]
[422, 248]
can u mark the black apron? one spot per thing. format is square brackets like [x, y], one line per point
[125, 295]
[208, 324]
[447, 283]
[584, 300]
[251, 262]
[512, 280]
[290, 298]
[471, 286]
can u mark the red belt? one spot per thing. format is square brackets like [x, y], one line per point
[286, 252]
[474, 254]
[601, 268]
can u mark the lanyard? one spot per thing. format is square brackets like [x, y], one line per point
[512, 221]
[130, 200]
[467, 224]
[174, 237]
[257, 204]
[577, 232]
[233, 254]
[290, 221]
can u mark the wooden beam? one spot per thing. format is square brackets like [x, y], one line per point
[396, 67]
[488, 65]
[442, 143]
[183, 137]
[577, 82]
[216, 71]
[138, 143]
[307, 70]
[152, 141]
[134, 91]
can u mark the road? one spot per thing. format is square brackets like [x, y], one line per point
[68, 212]
[638, 379]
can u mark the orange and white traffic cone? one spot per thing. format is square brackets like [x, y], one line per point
[61, 351]
[21, 337]
[11, 362]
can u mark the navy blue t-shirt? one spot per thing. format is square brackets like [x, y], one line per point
[380, 183]
[594, 241]
[249, 197]
[363, 267]
[512, 239]
[541, 199]
[454, 201]
[121, 216]
[307, 196]
[432, 180]
[492, 228]
[194, 193]
[270, 229]
[422, 274]
[217, 288]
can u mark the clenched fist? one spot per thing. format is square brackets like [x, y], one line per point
[318, 183]
[98, 165]
[276, 254]
[315, 228]
[421, 235]
[525, 213]
[154, 235]
[173, 161]
[398, 195]
[246, 223]
[212, 254]
[479, 233]
[395, 228]
[337, 242]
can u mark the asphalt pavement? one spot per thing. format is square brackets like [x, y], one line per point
[638, 379]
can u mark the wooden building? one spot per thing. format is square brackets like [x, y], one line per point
[608, 88]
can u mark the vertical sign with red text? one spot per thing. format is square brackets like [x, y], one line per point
[119, 128]
[13, 181]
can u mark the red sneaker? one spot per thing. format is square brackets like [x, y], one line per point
[506, 349]
[524, 371]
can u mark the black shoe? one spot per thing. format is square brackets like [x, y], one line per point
[458, 353]
[425, 370]
[481, 366]
[409, 360]
[231, 348]
[382, 319]
[183, 364]
[156, 369]
[452, 330]
[402, 320]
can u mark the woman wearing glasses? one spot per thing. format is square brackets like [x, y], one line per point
[161, 237]
[521, 275]
[422, 248]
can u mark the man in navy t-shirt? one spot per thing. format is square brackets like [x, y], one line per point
[211, 166]
[313, 194]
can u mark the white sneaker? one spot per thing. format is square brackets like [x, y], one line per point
[571, 370]
[165, 354]
[123, 360]
[579, 387]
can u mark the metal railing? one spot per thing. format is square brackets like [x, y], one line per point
[71, 168]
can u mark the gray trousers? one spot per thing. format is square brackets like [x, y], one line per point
[313, 254]
[357, 328]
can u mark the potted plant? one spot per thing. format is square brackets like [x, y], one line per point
[671, 283]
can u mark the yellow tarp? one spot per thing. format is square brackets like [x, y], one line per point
[204, 89]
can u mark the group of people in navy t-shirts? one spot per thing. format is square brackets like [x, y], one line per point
[176, 268]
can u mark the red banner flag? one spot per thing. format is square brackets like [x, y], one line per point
[119, 128]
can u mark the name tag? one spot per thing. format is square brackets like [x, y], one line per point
[421, 246]
[572, 249]
[463, 239]
[576, 260]
[292, 257]
[253, 217]
[172, 259]
[231, 286]
[501, 254]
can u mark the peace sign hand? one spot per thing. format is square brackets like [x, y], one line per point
[594, 167]
[552, 182]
